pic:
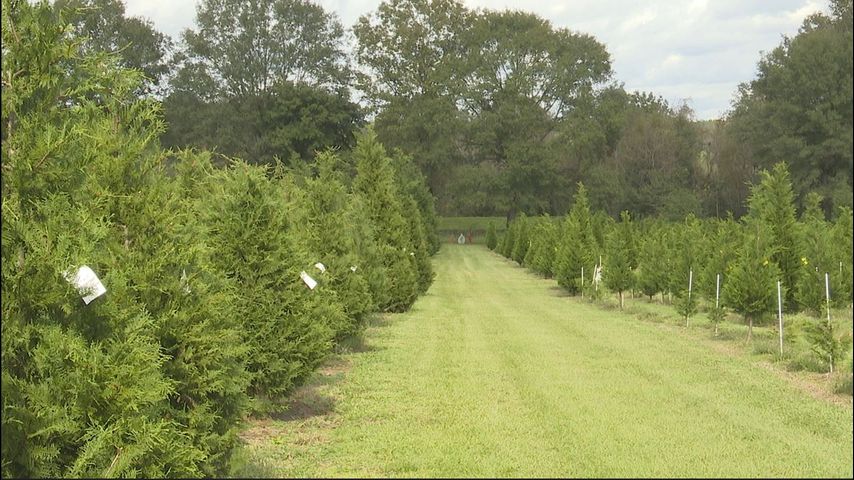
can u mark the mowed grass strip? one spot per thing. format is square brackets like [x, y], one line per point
[495, 373]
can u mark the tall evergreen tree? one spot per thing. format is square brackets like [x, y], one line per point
[651, 275]
[491, 237]
[772, 203]
[522, 242]
[287, 327]
[751, 286]
[619, 275]
[147, 379]
[375, 183]
[576, 245]
[334, 237]
[817, 259]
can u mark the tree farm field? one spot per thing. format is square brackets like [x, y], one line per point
[495, 372]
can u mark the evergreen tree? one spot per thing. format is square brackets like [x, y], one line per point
[685, 244]
[724, 239]
[522, 241]
[491, 237]
[842, 242]
[619, 275]
[420, 253]
[817, 259]
[826, 342]
[375, 183]
[651, 275]
[148, 379]
[334, 238]
[576, 245]
[772, 203]
[541, 254]
[509, 239]
[413, 183]
[287, 327]
[751, 286]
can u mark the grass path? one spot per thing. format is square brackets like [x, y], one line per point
[495, 373]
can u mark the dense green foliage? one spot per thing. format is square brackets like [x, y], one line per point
[375, 183]
[507, 112]
[799, 108]
[491, 237]
[619, 274]
[576, 245]
[501, 111]
[750, 256]
[262, 80]
[209, 311]
[102, 26]
[205, 315]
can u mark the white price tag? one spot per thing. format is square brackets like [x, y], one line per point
[87, 283]
[310, 282]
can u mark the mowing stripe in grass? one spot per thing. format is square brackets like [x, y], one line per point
[495, 373]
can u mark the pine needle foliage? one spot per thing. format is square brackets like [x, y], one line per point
[576, 245]
[374, 182]
[491, 237]
[751, 286]
[205, 314]
[618, 274]
[772, 202]
[148, 379]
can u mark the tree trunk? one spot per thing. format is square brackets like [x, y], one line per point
[621, 299]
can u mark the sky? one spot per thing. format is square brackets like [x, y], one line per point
[694, 51]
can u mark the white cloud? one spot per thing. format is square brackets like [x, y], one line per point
[639, 20]
[696, 49]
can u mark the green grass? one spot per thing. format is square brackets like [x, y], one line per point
[449, 228]
[494, 372]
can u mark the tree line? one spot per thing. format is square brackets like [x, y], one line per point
[225, 283]
[502, 111]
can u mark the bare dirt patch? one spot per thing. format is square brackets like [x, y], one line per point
[309, 405]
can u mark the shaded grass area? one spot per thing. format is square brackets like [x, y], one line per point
[495, 373]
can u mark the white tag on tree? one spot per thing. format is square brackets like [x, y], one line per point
[353, 268]
[87, 283]
[310, 282]
[320, 267]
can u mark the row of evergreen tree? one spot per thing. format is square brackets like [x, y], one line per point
[590, 254]
[206, 316]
